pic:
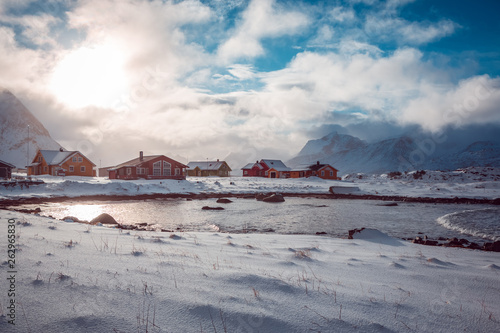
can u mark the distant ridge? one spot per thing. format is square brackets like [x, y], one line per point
[14, 121]
[404, 153]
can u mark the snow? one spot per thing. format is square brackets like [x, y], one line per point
[73, 277]
[469, 183]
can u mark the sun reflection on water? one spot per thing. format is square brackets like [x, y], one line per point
[84, 212]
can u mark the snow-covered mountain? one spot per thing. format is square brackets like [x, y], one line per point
[14, 121]
[350, 154]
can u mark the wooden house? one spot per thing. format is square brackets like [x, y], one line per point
[324, 171]
[208, 168]
[61, 163]
[6, 170]
[149, 167]
[266, 168]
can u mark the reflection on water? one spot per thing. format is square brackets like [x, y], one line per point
[295, 215]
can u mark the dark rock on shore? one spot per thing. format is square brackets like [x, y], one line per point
[353, 231]
[212, 208]
[274, 198]
[104, 218]
[224, 201]
[71, 218]
[388, 204]
[495, 246]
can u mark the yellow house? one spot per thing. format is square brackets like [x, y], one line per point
[61, 163]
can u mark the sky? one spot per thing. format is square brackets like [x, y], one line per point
[245, 80]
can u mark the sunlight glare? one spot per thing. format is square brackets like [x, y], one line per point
[90, 76]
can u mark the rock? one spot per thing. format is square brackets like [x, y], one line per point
[454, 242]
[388, 204]
[104, 219]
[495, 246]
[496, 201]
[353, 231]
[430, 242]
[321, 233]
[474, 246]
[212, 208]
[260, 196]
[71, 219]
[223, 200]
[274, 198]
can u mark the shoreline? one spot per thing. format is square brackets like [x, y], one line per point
[9, 205]
[201, 196]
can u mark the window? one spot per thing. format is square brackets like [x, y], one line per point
[177, 171]
[167, 167]
[45, 169]
[322, 173]
[40, 159]
[331, 173]
[140, 171]
[157, 168]
[71, 168]
[245, 172]
[82, 168]
[80, 159]
[129, 171]
[74, 159]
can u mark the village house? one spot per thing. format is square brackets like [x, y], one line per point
[149, 167]
[266, 168]
[6, 170]
[324, 171]
[61, 163]
[208, 168]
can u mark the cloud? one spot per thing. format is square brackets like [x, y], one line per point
[261, 19]
[472, 101]
[403, 31]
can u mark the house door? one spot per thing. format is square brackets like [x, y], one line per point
[273, 174]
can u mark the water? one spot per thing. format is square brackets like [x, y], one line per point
[477, 223]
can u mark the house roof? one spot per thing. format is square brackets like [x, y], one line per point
[276, 165]
[251, 165]
[137, 161]
[207, 165]
[57, 157]
[7, 164]
[312, 167]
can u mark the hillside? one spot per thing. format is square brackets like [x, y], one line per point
[14, 121]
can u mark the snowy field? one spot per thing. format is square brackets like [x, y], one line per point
[469, 183]
[70, 277]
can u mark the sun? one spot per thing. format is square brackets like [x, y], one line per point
[90, 76]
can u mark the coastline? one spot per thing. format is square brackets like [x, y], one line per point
[200, 196]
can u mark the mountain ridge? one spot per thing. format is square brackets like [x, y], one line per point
[14, 121]
[350, 154]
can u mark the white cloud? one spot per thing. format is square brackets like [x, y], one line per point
[342, 14]
[262, 18]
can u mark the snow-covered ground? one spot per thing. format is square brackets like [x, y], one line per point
[70, 277]
[469, 183]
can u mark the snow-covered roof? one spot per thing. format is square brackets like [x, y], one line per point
[276, 165]
[7, 164]
[55, 157]
[250, 165]
[137, 161]
[206, 165]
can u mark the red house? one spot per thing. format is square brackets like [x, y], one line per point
[149, 167]
[266, 168]
[324, 171]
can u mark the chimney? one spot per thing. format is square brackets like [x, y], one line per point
[317, 162]
[217, 160]
[141, 156]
